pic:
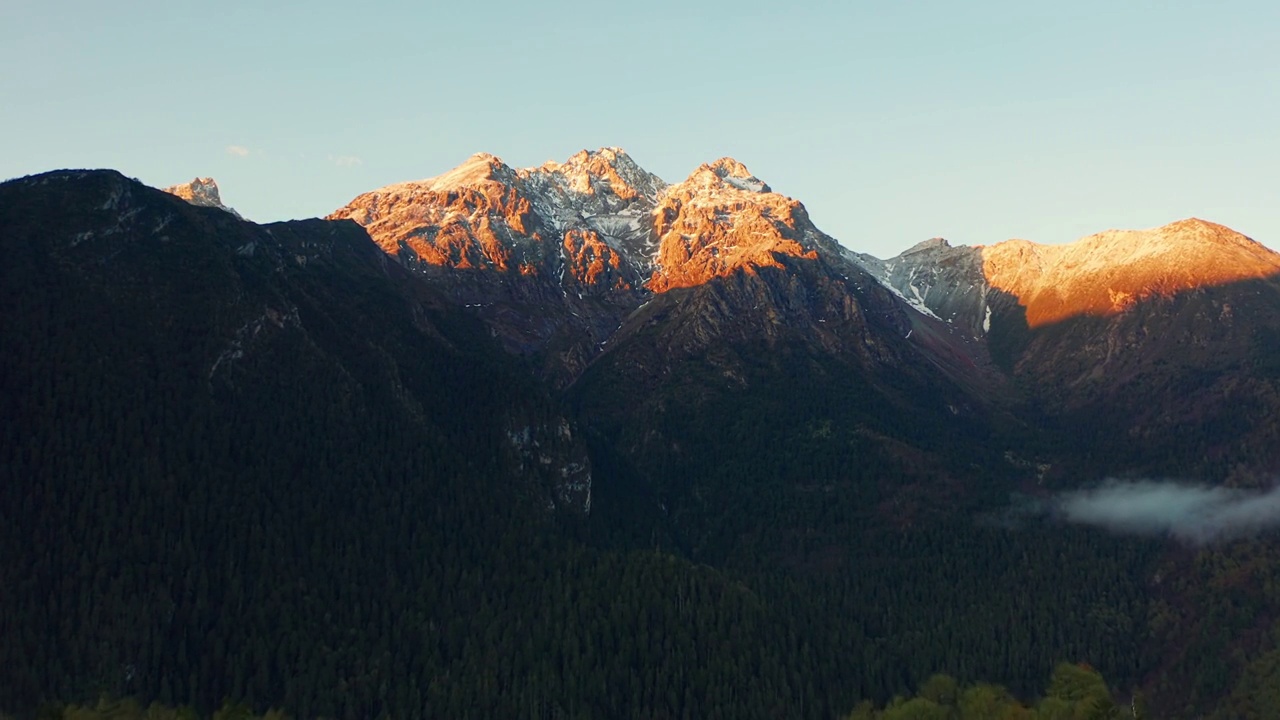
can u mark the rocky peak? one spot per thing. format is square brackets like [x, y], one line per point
[723, 218]
[475, 171]
[936, 243]
[202, 191]
[727, 172]
[532, 222]
[939, 281]
[609, 169]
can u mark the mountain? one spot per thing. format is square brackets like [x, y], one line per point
[271, 463]
[552, 258]
[716, 274]
[759, 328]
[572, 440]
[250, 428]
[1163, 334]
[1101, 275]
[231, 297]
[556, 258]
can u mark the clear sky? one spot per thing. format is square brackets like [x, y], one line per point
[892, 121]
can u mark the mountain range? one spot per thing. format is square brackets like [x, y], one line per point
[460, 415]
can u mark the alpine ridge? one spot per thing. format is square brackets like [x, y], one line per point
[1099, 275]
[555, 258]
[566, 260]
[1108, 273]
[1125, 333]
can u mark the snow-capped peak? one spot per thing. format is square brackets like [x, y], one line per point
[606, 155]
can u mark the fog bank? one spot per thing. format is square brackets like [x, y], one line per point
[1194, 513]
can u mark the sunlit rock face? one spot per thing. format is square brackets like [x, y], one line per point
[582, 223]
[1100, 275]
[722, 219]
[553, 258]
[557, 257]
[1110, 272]
[202, 191]
[594, 225]
[595, 260]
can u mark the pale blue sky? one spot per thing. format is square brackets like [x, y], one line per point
[892, 121]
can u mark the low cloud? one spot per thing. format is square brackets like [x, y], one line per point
[238, 150]
[1194, 513]
[345, 160]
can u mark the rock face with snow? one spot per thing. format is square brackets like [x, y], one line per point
[938, 280]
[583, 222]
[202, 192]
[552, 257]
[556, 258]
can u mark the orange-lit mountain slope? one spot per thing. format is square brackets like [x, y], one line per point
[556, 257]
[723, 218]
[1107, 273]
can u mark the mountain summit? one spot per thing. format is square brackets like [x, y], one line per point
[722, 219]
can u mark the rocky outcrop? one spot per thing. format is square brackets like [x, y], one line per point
[556, 455]
[202, 192]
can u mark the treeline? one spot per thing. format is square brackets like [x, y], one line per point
[107, 708]
[1075, 692]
